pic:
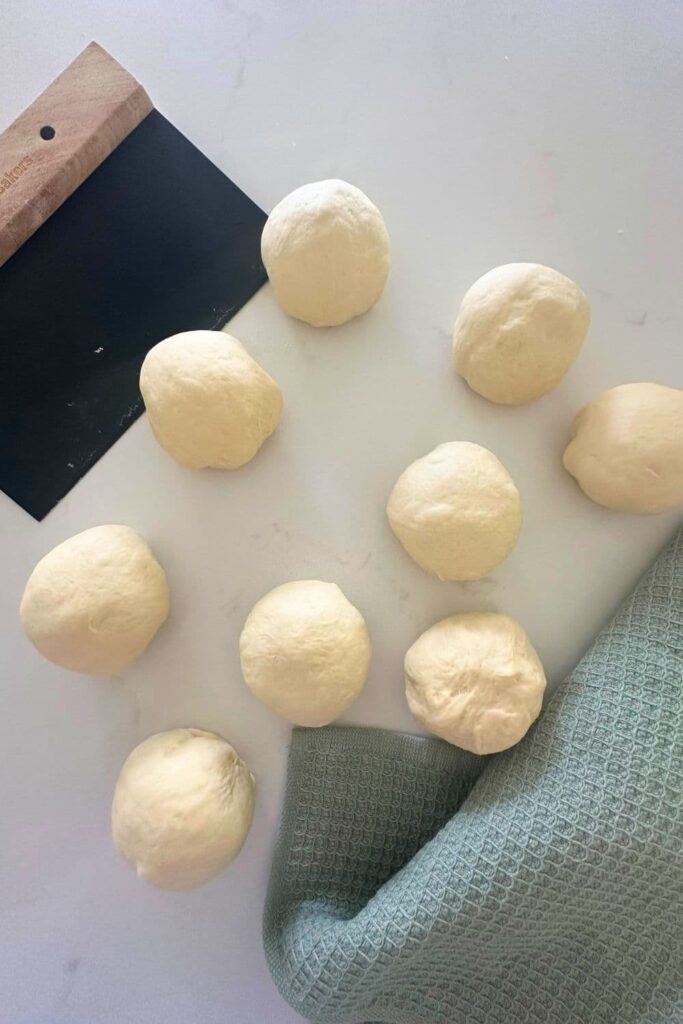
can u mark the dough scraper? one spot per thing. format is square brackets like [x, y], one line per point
[115, 232]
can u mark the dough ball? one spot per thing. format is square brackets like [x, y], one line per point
[305, 651]
[209, 403]
[326, 251]
[95, 601]
[475, 680]
[456, 511]
[182, 807]
[627, 448]
[519, 329]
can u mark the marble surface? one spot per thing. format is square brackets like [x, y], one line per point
[487, 132]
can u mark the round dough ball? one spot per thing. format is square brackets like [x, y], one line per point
[519, 329]
[627, 448]
[209, 403]
[326, 251]
[95, 601]
[305, 651]
[475, 680]
[182, 807]
[456, 511]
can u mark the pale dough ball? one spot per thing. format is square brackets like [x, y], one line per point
[182, 807]
[519, 329]
[475, 680]
[209, 403]
[95, 601]
[627, 448]
[456, 511]
[305, 651]
[326, 251]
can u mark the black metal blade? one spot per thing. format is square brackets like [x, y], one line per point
[156, 241]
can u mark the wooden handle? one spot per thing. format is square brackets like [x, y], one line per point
[61, 138]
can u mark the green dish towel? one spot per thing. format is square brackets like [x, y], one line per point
[552, 889]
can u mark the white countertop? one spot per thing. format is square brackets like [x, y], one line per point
[486, 132]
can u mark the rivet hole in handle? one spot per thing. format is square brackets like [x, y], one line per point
[61, 138]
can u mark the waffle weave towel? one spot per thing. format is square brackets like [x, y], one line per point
[416, 884]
